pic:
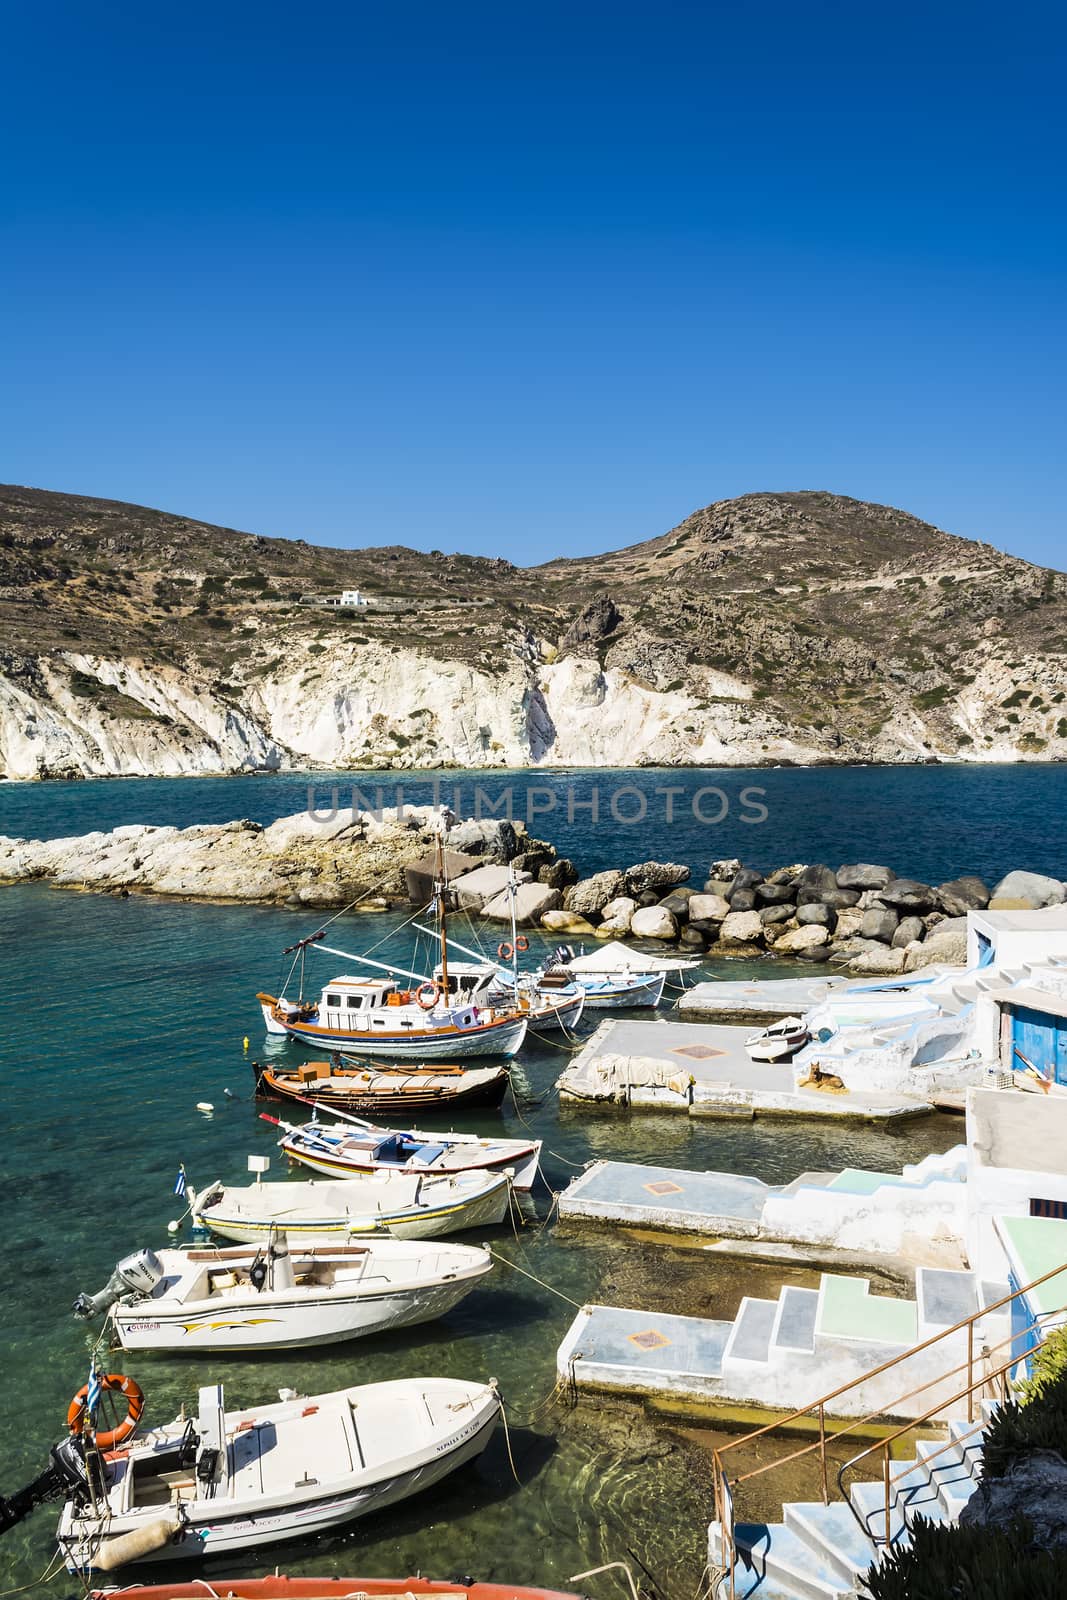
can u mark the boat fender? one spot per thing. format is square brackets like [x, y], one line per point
[427, 995]
[136, 1545]
[112, 1383]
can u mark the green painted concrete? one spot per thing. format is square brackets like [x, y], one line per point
[850, 1311]
[1039, 1245]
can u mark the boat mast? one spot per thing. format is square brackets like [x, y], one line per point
[514, 933]
[441, 916]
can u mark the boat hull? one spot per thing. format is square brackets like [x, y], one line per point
[389, 1093]
[211, 1527]
[428, 1221]
[283, 1588]
[610, 994]
[263, 1322]
[337, 1157]
[422, 1042]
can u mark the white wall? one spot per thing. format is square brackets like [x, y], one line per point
[1016, 1152]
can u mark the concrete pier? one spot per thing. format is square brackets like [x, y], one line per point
[757, 1002]
[704, 1071]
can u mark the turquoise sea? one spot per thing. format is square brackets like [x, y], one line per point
[120, 1015]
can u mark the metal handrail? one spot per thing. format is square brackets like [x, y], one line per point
[721, 1483]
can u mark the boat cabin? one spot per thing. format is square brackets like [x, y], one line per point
[469, 982]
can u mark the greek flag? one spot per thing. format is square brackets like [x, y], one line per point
[93, 1389]
[179, 1182]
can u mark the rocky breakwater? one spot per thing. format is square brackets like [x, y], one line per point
[303, 860]
[860, 915]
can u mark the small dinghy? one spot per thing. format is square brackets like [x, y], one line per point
[228, 1481]
[282, 1588]
[406, 1204]
[189, 1301]
[779, 1042]
[396, 1093]
[339, 1150]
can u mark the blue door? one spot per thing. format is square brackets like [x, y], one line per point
[1042, 1039]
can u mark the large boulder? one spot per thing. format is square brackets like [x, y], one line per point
[589, 896]
[420, 876]
[1032, 1495]
[619, 910]
[708, 908]
[745, 878]
[558, 874]
[961, 895]
[849, 922]
[908, 894]
[475, 889]
[775, 894]
[816, 877]
[724, 871]
[743, 900]
[864, 875]
[880, 962]
[718, 886]
[677, 903]
[771, 916]
[1027, 891]
[708, 925]
[910, 930]
[828, 897]
[815, 915]
[742, 927]
[693, 939]
[493, 838]
[798, 940]
[567, 922]
[653, 922]
[532, 900]
[879, 922]
[654, 875]
[948, 949]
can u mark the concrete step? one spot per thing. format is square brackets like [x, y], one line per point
[913, 1493]
[748, 1584]
[944, 1298]
[794, 1326]
[967, 1437]
[951, 1476]
[834, 1532]
[775, 1551]
[753, 1326]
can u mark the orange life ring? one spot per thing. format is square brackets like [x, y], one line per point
[505, 952]
[521, 942]
[112, 1383]
[430, 989]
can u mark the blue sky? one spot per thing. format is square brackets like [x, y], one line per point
[535, 280]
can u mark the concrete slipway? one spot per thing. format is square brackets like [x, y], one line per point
[703, 1070]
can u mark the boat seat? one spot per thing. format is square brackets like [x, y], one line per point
[425, 1155]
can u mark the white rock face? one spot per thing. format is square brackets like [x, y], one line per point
[1027, 889]
[709, 907]
[532, 901]
[810, 937]
[742, 927]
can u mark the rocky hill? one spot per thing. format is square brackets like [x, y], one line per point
[771, 628]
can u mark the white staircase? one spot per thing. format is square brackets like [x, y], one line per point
[823, 1552]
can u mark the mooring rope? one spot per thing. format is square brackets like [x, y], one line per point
[507, 1262]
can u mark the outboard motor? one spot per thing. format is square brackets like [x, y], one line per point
[65, 1477]
[137, 1275]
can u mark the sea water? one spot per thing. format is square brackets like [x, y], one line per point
[119, 1016]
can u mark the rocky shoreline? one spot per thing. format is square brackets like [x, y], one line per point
[862, 916]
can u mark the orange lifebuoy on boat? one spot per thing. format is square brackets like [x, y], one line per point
[522, 943]
[505, 951]
[430, 989]
[110, 1383]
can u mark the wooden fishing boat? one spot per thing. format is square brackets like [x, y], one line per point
[406, 1204]
[375, 1016]
[395, 1092]
[229, 1481]
[222, 1300]
[282, 1588]
[340, 1149]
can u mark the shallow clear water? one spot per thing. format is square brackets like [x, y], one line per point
[119, 1015]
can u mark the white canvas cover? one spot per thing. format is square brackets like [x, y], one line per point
[619, 958]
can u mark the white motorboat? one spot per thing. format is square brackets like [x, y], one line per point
[779, 1042]
[409, 1205]
[229, 1481]
[266, 1299]
[342, 1149]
